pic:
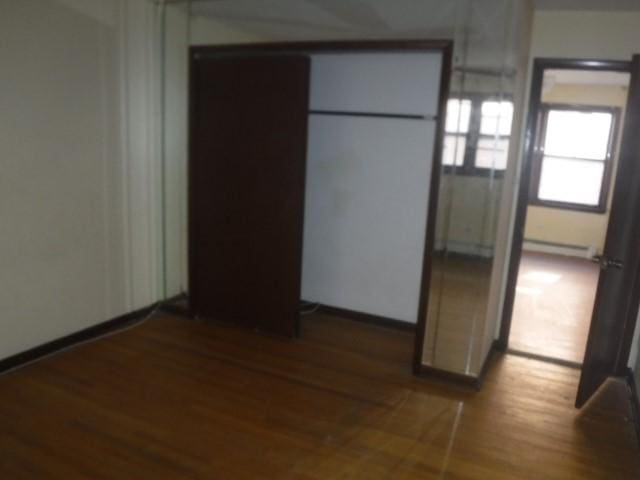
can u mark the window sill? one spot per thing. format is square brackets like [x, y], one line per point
[472, 172]
[575, 207]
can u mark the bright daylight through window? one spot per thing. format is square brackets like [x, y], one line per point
[574, 157]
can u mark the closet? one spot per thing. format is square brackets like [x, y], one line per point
[248, 144]
[311, 178]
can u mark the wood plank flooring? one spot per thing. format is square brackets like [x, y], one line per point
[175, 398]
[553, 305]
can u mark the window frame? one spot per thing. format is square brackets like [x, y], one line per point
[538, 156]
[473, 135]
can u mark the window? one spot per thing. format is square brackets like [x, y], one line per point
[572, 162]
[456, 128]
[495, 129]
[477, 131]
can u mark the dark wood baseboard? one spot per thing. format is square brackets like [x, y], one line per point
[494, 352]
[460, 378]
[450, 377]
[501, 346]
[62, 343]
[177, 305]
[543, 358]
[369, 318]
[635, 400]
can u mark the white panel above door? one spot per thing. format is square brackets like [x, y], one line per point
[389, 83]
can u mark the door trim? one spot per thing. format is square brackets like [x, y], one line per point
[445, 47]
[532, 126]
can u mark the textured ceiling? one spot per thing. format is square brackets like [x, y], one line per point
[481, 25]
[300, 19]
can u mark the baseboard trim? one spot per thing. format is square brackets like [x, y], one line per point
[500, 346]
[541, 246]
[635, 400]
[462, 379]
[28, 356]
[494, 352]
[543, 358]
[169, 305]
[369, 318]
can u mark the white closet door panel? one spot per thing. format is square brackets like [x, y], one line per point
[365, 213]
[395, 83]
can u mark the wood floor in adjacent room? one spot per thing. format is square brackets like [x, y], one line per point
[174, 398]
[554, 302]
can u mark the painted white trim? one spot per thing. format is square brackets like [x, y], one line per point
[123, 84]
[635, 348]
[511, 185]
[140, 119]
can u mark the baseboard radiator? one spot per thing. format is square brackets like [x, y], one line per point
[558, 249]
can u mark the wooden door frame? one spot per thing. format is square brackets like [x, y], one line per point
[532, 127]
[445, 47]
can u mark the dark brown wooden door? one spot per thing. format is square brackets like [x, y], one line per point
[617, 295]
[248, 137]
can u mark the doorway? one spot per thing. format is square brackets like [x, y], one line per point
[571, 294]
[570, 191]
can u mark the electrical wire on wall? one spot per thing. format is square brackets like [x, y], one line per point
[307, 308]
[159, 307]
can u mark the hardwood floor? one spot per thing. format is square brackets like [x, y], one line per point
[553, 306]
[175, 398]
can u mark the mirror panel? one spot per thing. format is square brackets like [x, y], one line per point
[476, 145]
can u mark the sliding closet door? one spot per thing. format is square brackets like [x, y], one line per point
[247, 175]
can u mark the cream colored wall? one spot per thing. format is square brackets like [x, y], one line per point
[206, 31]
[594, 95]
[577, 34]
[568, 227]
[79, 230]
[81, 161]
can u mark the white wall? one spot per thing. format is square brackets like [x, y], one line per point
[400, 83]
[368, 181]
[523, 18]
[77, 190]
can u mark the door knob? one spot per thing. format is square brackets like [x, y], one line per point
[606, 262]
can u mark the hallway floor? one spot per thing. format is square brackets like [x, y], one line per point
[181, 399]
[553, 305]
